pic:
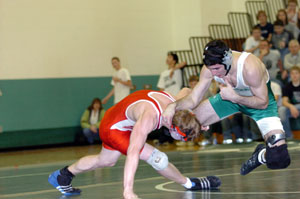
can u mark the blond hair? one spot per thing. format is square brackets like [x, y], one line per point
[296, 68]
[187, 122]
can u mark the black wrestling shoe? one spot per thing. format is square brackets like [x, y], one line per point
[252, 162]
[62, 183]
[209, 182]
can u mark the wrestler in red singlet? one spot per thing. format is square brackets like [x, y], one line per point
[116, 126]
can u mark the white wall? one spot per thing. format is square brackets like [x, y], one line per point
[192, 17]
[77, 38]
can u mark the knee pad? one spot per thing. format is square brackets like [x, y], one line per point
[277, 157]
[158, 160]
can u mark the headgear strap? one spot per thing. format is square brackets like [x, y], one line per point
[184, 135]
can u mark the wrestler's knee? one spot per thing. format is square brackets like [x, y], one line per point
[277, 157]
[158, 160]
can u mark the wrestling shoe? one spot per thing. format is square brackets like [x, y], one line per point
[62, 182]
[209, 182]
[252, 162]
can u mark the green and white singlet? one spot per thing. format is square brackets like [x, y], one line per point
[266, 119]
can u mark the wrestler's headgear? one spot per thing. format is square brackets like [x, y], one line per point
[217, 52]
[185, 135]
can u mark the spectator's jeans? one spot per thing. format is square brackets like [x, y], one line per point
[231, 126]
[90, 135]
[285, 115]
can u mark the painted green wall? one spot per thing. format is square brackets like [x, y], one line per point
[33, 105]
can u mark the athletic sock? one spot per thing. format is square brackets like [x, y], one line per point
[65, 171]
[261, 156]
[188, 184]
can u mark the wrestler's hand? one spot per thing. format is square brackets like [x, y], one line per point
[168, 114]
[129, 195]
[227, 92]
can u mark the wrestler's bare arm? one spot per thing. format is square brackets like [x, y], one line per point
[146, 123]
[255, 77]
[194, 98]
[191, 100]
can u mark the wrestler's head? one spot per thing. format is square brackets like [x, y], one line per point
[185, 126]
[216, 54]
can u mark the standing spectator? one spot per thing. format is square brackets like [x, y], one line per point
[271, 59]
[292, 58]
[121, 82]
[90, 120]
[252, 42]
[293, 12]
[265, 27]
[291, 28]
[290, 101]
[281, 38]
[170, 80]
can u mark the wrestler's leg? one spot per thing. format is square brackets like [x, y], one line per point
[106, 158]
[61, 179]
[206, 114]
[159, 161]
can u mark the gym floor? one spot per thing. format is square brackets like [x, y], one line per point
[24, 174]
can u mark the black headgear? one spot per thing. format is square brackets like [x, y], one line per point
[217, 52]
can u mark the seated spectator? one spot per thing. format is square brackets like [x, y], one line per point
[193, 80]
[291, 28]
[293, 12]
[265, 27]
[290, 101]
[276, 89]
[90, 120]
[292, 58]
[209, 137]
[280, 39]
[170, 80]
[239, 125]
[252, 42]
[271, 59]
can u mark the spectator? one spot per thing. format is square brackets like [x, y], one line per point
[271, 59]
[292, 58]
[276, 89]
[170, 80]
[252, 42]
[121, 82]
[193, 80]
[291, 28]
[290, 101]
[209, 137]
[293, 12]
[265, 27]
[281, 38]
[239, 125]
[90, 120]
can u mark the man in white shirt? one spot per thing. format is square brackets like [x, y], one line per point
[252, 42]
[121, 82]
[170, 80]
